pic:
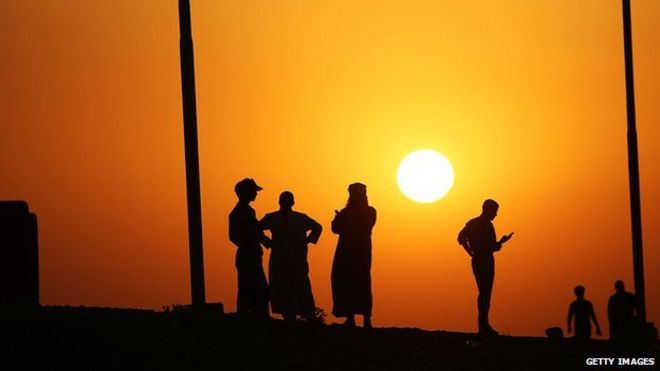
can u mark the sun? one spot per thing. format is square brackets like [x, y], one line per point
[425, 176]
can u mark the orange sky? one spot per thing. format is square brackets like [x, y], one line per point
[525, 98]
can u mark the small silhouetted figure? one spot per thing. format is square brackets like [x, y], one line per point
[245, 232]
[290, 288]
[351, 267]
[480, 242]
[583, 312]
[621, 313]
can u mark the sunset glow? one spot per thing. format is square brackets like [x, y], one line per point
[526, 99]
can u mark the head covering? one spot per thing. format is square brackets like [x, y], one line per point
[246, 185]
[357, 188]
[357, 196]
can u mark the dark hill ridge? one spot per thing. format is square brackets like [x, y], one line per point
[106, 338]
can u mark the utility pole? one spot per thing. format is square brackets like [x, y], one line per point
[633, 168]
[192, 158]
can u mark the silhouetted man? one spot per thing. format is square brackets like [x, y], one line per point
[480, 242]
[244, 232]
[290, 288]
[621, 312]
[584, 313]
[351, 266]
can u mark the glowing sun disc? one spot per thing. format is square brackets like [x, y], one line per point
[425, 176]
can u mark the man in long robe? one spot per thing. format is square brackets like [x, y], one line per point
[288, 273]
[351, 266]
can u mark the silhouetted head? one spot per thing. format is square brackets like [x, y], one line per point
[489, 209]
[357, 195]
[579, 291]
[286, 200]
[247, 189]
[618, 285]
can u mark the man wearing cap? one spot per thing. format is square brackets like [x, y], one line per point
[479, 240]
[245, 233]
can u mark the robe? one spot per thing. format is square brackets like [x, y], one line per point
[351, 266]
[290, 287]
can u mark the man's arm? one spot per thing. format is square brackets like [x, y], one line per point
[503, 240]
[265, 224]
[570, 318]
[593, 317]
[337, 224]
[315, 228]
[463, 241]
[235, 231]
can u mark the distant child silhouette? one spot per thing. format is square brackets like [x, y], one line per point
[479, 240]
[290, 288]
[245, 233]
[621, 312]
[351, 267]
[583, 312]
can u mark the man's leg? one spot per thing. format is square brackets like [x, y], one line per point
[242, 300]
[484, 273]
[261, 291]
[252, 286]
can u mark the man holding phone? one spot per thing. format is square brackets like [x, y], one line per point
[479, 240]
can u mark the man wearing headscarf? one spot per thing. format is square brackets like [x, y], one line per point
[351, 267]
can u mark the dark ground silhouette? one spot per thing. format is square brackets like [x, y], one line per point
[103, 338]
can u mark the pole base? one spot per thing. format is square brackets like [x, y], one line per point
[209, 308]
